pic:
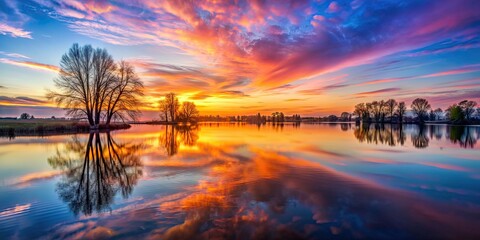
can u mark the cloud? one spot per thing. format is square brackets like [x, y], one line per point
[333, 7]
[294, 99]
[461, 70]
[30, 178]
[378, 81]
[377, 92]
[18, 209]
[317, 91]
[14, 55]
[13, 31]
[233, 93]
[32, 65]
[199, 96]
[267, 44]
[20, 100]
[449, 45]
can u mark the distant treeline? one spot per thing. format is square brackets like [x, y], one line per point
[392, 112]
[389, 111]
[257, 118]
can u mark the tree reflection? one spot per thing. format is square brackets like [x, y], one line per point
[436, 131]
[464, 136]
[176, 134]
[380, 133]
[95, 171]
[419, 137]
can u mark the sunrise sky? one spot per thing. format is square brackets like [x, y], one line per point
[242, 57]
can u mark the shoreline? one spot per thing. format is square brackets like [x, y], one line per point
[49, 127]
[315, 122]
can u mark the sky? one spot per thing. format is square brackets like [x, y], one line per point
[313, 58]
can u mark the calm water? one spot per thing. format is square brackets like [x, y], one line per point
[238, 181]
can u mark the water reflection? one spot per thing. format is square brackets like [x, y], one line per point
[380, 133]
[173, 135]
[464, 136]
[238, 181]
[420, 136]
[259, 194]
[95, 170]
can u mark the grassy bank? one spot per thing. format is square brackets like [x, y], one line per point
[42, 127]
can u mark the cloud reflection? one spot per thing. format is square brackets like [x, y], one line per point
[249, 192]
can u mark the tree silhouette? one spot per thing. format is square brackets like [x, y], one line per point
[420, 107]
[164, 113]
[391, 104]
[361, 111]
[455, 113]
[401, 109]
[345, 116]
[438, 113]
[172, 106]
[468, 108]
[123, 99]
[24, 116]
[91, 85]
[188, 112]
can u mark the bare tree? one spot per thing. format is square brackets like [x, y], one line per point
[89, 83]
[173, 105]
[468, 108]
[401, 109]
[74, 83]
[378, 110]
[189, 112]
[361, 111]
[391, 104]
[104, 81]
[163, 109]
[123, 98]
[420, 107]
[438, 113]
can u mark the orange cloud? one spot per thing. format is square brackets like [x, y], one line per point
[32, 65]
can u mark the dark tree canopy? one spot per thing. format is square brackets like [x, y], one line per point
[420, 107]
[24, 116]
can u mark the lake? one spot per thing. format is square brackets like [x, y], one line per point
[240, 181]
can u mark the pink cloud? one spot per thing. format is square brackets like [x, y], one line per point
[462, 70]
[14, 32]
[333, 7]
